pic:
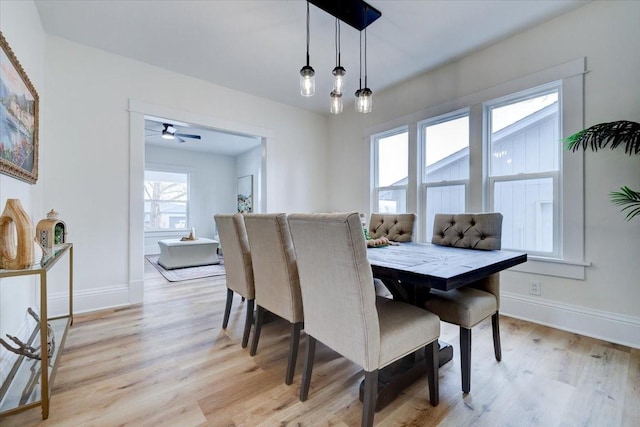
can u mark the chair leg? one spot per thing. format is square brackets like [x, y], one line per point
[227, 308]
[248, 321]
[308, 367]
[432, 358]
[465, 358]
[370, 397]
[294, 341]
[256, 330]
[495, 325]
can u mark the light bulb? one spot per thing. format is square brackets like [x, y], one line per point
[338, 79]
[307, 81]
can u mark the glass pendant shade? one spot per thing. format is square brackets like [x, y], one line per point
[307, 81]
[336, 103]
[338, 79]
[364, 101]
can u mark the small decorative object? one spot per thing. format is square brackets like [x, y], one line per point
[51, 231]
[191, 236]
[25, 349]
[19, 118]
[15, 255]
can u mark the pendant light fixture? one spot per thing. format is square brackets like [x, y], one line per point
[338, 77]
[359, 15]
[364, 95]
[338, 72]
[307, 79]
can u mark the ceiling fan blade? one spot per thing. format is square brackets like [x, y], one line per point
[186, 135]
[180, 140]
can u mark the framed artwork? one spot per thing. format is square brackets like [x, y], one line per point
[245, 194]
[18, 118]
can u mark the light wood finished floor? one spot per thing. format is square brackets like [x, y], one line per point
[169, 363]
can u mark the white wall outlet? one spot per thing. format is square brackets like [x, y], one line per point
[535, 288]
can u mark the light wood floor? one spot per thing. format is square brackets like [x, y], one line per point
[169, 363]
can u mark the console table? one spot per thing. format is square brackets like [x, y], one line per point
[30, 381]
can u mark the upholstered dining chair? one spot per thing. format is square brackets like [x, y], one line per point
[342, 311]
[469, 305]
[276, 279]
[238, 268]
[397, 228]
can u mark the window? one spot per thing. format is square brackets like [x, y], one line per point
[445, 172]
[523, 134]
[166, 200]
[498, 149]
[391, 171]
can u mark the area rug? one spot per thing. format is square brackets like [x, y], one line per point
[187, 273]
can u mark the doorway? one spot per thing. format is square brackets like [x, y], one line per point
[219, 139]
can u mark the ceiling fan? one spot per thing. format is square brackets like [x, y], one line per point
[170, 132]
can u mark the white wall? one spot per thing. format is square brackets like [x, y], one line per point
[607, 34]
[212, 183]
[88, 182]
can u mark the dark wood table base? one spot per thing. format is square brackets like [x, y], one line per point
[393, 379]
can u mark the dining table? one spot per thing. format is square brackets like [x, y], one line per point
[409, 271]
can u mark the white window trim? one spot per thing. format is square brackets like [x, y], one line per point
[572, 263]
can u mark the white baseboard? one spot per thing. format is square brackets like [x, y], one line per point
[607, 326]
[85, 301]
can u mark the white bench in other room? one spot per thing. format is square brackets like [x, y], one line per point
[176, 253]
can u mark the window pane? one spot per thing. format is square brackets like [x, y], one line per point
[525, 136]
[392, 160]
[447, 150]
[165, 200]
[527, 209]
[392, 201]
[445, 199]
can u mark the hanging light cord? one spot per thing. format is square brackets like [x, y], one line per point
[338, 47]
[361, 60]
[365, 57]
[308, 33]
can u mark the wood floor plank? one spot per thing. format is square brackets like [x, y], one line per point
[168, 362]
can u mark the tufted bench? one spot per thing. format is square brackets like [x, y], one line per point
[175, 253]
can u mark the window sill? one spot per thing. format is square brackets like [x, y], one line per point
[553, 267]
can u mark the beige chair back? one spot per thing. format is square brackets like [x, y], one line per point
[396, 227]
[236, 254]
[274, 265]
[471, 231]
[318, 245]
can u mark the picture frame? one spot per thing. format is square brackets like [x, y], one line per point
[19, 116]
[245, 194]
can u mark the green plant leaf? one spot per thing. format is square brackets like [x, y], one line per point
[629, 199]
[620, 133]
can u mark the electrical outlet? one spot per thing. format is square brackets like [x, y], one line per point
[535, 288]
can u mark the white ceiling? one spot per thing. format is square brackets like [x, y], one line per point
[212, 141]
[258, 46]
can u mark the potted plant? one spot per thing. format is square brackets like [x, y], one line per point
[621, 133]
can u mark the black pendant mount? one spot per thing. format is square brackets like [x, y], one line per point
[357, 13]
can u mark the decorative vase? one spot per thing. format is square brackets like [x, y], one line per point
[16, 255]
